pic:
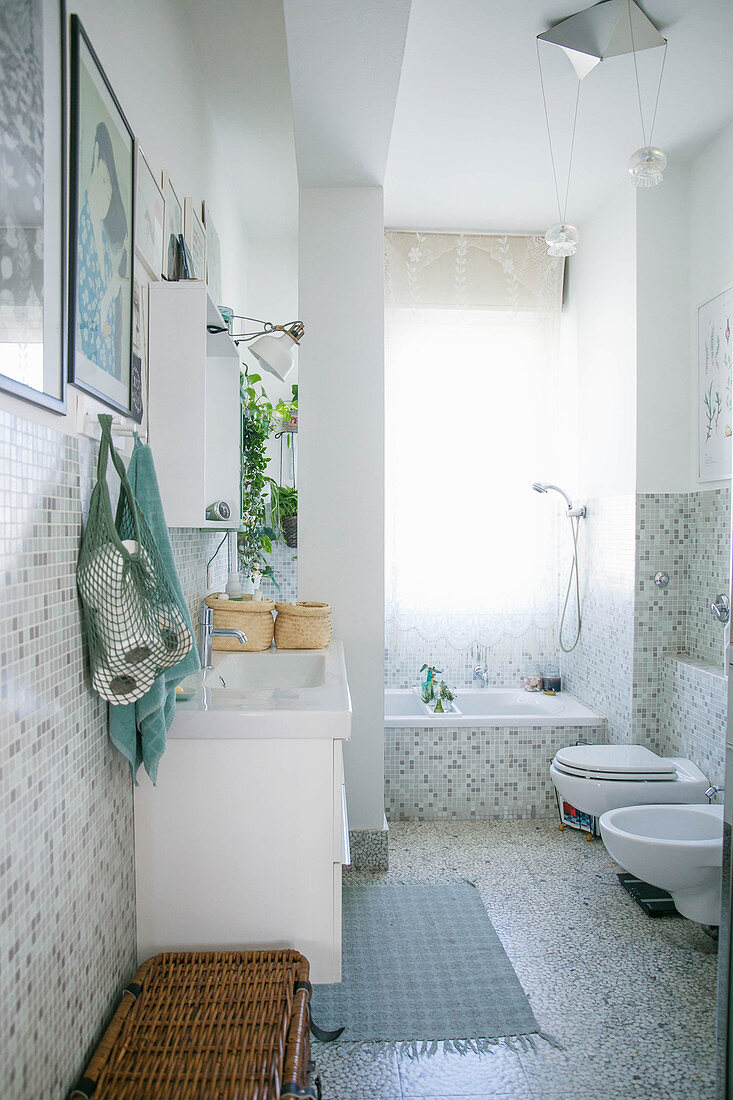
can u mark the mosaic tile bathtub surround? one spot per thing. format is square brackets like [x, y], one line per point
[67, 901]
[474, 773]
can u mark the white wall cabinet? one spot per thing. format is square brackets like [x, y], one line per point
[194, 406]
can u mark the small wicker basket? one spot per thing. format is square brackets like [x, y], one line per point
[254, 617]
[303, 625]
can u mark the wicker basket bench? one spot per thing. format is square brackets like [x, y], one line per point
[214, 1025]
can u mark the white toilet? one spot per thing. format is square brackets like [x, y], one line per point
[677, 848]
[598, 778]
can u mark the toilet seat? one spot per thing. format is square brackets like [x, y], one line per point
[628, 763]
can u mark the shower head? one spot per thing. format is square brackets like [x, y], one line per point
[544, 486]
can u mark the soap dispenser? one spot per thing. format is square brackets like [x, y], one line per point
[234, 587]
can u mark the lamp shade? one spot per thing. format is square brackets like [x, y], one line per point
[275, 353]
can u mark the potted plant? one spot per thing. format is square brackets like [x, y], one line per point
[429, 683]
[285, 512]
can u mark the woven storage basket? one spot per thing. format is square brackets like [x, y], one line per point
[196, 1025]
[303, 625]
[254, 617]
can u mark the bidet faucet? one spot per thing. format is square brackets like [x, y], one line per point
[712, 790]
[207, 631]
[482, 675]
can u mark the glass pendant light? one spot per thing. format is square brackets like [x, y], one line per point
[562, 240]
[646, 166]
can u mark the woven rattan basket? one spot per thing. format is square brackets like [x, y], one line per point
[198, 1025]
[303, 625]
[254, 617]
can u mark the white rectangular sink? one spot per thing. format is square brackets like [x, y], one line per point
[284, 669]
[278, 693]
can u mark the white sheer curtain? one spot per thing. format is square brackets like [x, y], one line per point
[472, 329]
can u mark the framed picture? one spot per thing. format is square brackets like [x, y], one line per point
[715, 396]
[173, 229]
[195, 237]
[32, 197]
[149, 219]
[101, 232]
[139, 347]
[213, 256]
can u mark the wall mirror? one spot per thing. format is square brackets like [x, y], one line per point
[31, 201]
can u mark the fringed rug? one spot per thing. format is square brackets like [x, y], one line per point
[423, 970]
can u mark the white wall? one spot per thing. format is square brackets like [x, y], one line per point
[710, 254]
[341, 507]
[603, 289]
[664, 362]
[151, 60]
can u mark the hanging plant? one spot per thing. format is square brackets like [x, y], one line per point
[259, 418]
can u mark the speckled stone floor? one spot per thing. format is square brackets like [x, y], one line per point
[631, 998]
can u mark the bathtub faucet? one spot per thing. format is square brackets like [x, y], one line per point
[712, 790]
[482, 675]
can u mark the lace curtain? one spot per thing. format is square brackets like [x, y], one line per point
[472, 333]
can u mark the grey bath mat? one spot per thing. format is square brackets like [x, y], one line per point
[423, 967]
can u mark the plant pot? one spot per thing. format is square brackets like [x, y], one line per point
[290, 531]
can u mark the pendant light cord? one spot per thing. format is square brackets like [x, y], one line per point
[638, 85]
[561, 212]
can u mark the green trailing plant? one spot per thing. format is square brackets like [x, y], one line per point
[260, 417]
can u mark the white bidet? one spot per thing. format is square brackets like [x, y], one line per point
[677, 848]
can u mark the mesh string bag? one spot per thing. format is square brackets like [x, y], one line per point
[135, 625]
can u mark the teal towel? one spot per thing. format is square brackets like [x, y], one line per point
[139, 729]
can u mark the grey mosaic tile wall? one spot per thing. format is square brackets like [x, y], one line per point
[67, 889]
[466, 773]
[192, 549]
[600, 670]
[693, 709]
[66, 846]
[284, 561]
[707, 542]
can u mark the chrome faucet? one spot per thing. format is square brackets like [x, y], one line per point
[712, 790]
[207, 631]
[482, 675]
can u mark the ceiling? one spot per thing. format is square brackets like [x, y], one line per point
[469, 145]
[449, 100]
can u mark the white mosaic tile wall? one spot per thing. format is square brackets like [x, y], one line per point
[460, 773]
[599, 671]
[67, 901]
[507, 663]
[707, 544]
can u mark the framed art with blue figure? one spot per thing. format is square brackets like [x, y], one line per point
[32, 238]
[101, 233]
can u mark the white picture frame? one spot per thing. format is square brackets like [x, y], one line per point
[149, 219]
[714, 387]
[213, 256]
[173, 226]
[195, 237]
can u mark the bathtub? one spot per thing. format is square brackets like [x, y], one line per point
[488, 707]
[487, 759]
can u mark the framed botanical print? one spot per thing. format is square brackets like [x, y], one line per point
[715, 387]
[101, 232]
[149, 219]
[172, 231]
[193, 232]
[32, 215]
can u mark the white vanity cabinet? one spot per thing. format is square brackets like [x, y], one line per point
[194, 406]
[240, 844]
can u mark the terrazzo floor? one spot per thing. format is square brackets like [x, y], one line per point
[631, 998]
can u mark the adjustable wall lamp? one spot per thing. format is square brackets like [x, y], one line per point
[271, 345]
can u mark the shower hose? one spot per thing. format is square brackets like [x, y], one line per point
[574, 525]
